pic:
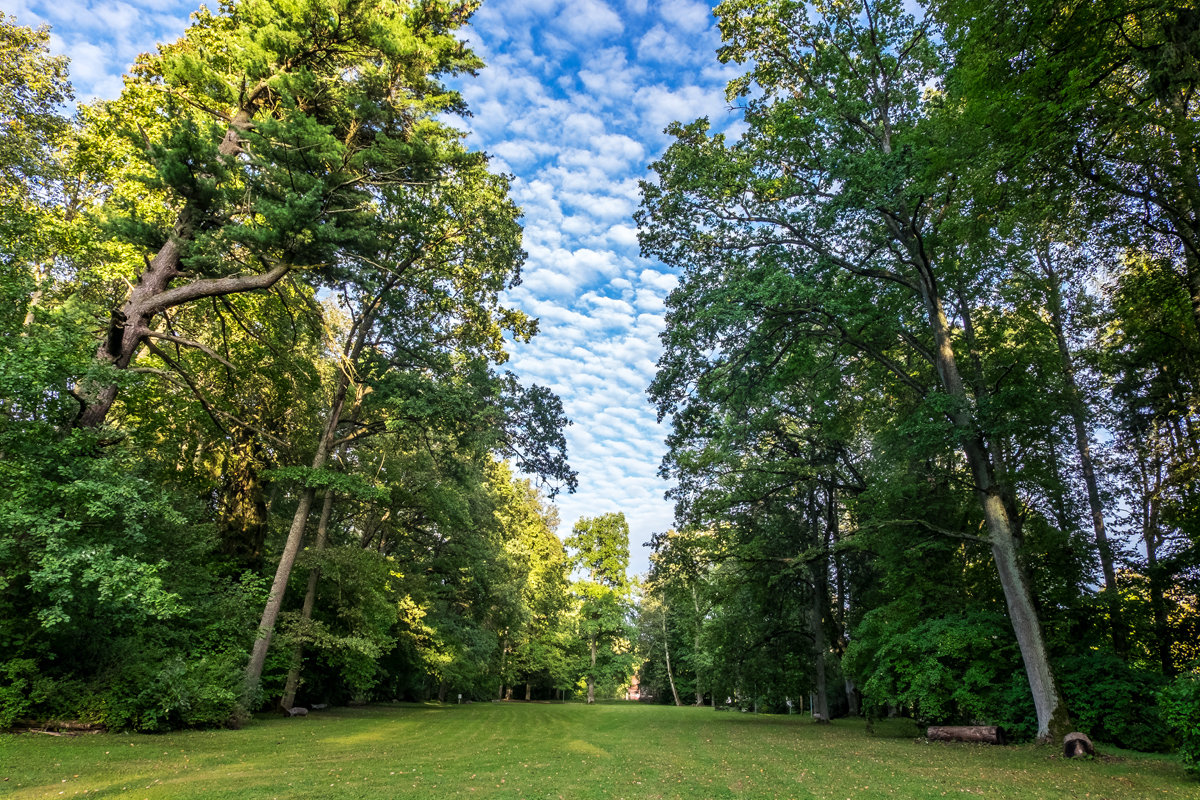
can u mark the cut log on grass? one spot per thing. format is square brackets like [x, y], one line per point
[1078, 744]
[298, 711]
[978, 734]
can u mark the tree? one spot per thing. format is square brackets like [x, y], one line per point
[1108, 89]
[33, 87]
[601, 550]
[835, 194]
[267, 133]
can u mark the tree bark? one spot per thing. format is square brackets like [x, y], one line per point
[980, 734]
[310, 598]
[153, 293]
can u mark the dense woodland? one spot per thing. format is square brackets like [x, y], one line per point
[932, 374]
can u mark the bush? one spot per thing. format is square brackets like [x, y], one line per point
[21, 688]
[1179, 705]
[1111, 701]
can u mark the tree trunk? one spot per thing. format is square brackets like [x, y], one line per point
[310, 598]
[696, 650]
[152, 293]
[1083, 447]
[667, 654]
[503, 664]
[852, 698]
[1158, 604]
[266, 626]
[1053, 721]
[819, 647]
[591, 678]
[528, 691]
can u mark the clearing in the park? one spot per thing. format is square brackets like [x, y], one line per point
[517, 750]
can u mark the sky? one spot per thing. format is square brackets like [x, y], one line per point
[572, 104]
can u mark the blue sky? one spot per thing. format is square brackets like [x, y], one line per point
[572, 104]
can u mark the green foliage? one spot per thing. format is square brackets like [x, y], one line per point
[1179, 705]
[1113, 702]
[947, 670]
[22, 689]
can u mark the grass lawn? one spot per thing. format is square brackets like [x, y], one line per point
[515, 750]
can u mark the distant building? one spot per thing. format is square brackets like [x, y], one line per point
[635, 690]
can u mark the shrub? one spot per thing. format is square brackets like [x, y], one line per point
[21, 688]
[1179, 705]
[1111, 701]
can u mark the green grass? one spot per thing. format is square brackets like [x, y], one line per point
[516, 750]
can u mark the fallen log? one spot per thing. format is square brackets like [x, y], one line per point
[978, 734]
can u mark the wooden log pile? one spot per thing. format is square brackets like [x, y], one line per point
[978, 734]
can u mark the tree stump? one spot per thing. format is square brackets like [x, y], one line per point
[978, 734]
[1077, 744]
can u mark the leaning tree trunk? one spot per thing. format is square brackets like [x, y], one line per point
[153, 294]
[266, 626]
[310, 598]
[1052, 718]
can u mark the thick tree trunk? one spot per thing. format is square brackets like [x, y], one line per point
[1083, 447]
[667, 655]
[153, 293]
[852, 697]
[1053, 722]
[310, 598]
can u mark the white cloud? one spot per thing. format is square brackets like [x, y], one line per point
[588, 19]
[687, 15]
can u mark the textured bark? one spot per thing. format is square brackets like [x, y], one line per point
[153, 292]
[1077, 744]
[310, 598]
[980, 734]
